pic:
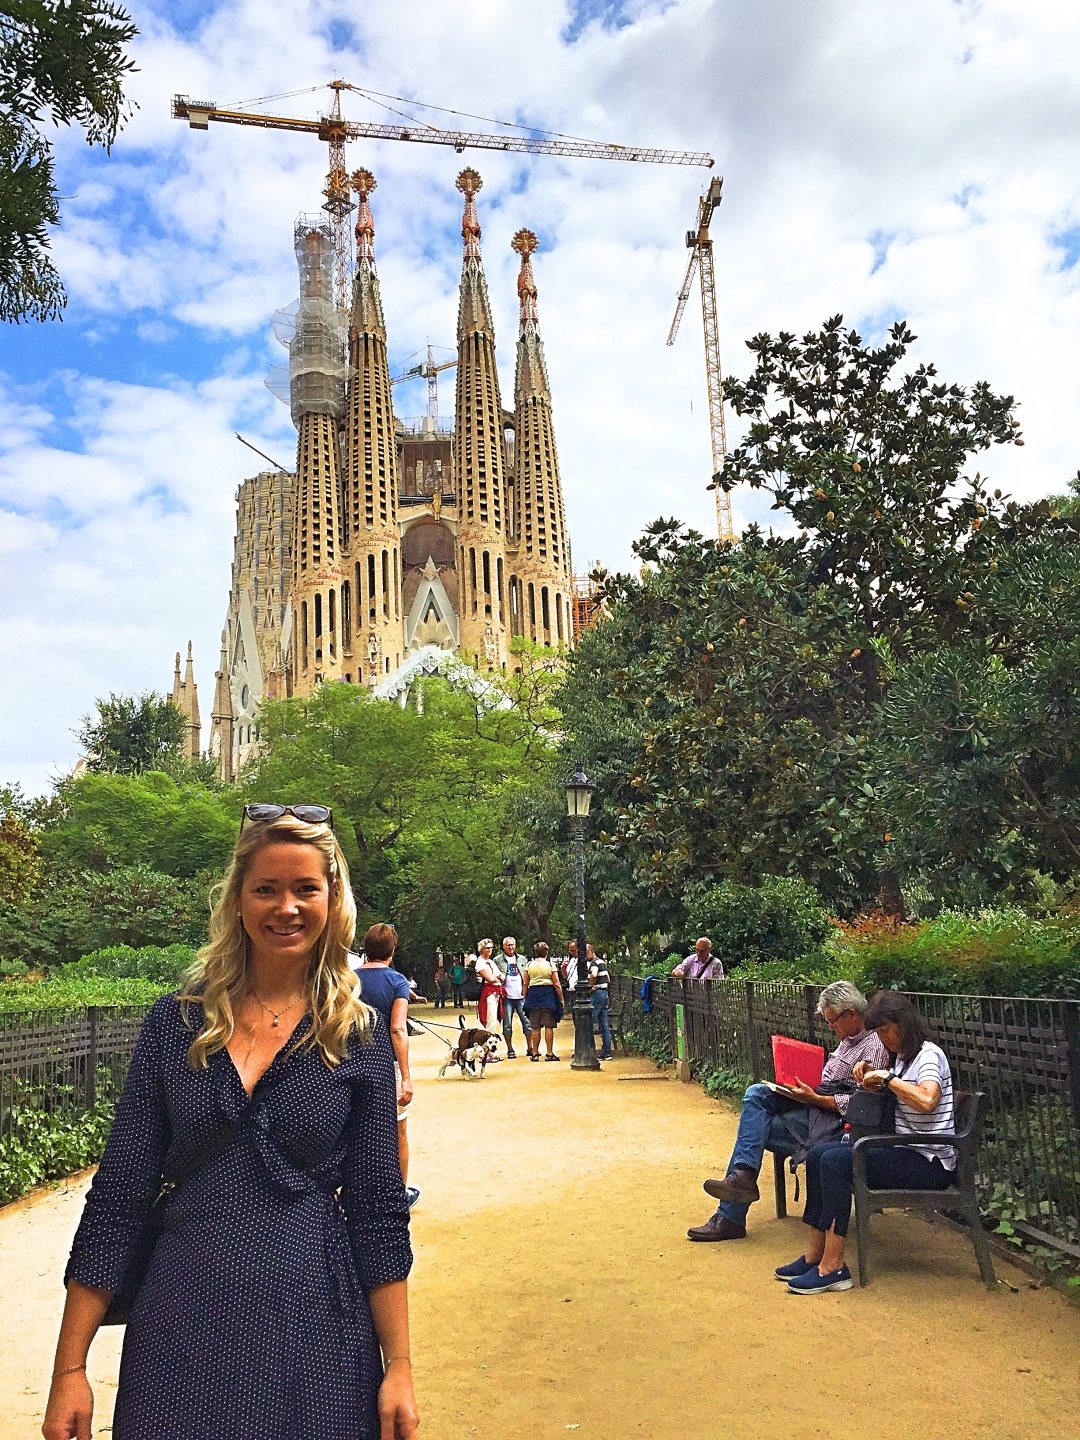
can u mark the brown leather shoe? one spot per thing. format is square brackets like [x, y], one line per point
[740, 1186]
[717, 1228]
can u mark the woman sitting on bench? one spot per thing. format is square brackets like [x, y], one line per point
[920, 1081]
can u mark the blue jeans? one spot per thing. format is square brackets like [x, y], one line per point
[760, 1125]
[510, 1009]
[828, 1180]
[601, 1006]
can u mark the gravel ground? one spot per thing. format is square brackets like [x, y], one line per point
[554, 1293]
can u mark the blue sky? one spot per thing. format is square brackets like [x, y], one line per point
[909, 160]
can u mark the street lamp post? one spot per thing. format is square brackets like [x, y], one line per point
[579, 792]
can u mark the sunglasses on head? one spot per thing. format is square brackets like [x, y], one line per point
[310, 814]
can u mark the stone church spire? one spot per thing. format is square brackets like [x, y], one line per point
[540, 594]
[481, 455]
[185, 698]
[371, 585]
[316, 385]
[223, 719]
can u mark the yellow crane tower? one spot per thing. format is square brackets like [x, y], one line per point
[701, 259]
[336, 131]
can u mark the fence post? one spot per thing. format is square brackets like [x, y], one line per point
[682, 1045]
[90, 1078]
[810, 996]
[1071, 1018]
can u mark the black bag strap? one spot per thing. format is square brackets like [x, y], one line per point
[214, 1147]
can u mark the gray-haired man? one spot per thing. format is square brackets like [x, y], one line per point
[768, 1119]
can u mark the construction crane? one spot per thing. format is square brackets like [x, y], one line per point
[429, 371]
[337, 131]
[701, 259]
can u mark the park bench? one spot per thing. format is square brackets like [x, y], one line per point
[958, 1199]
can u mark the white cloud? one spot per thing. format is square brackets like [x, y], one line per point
[914, 160]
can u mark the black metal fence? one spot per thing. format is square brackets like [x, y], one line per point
[64, 1061]
[1024, 1053]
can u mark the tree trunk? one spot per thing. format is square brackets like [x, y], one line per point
[890, 895]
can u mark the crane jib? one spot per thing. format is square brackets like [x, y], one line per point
[199, 113]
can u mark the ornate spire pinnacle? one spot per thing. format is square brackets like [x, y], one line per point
[525, 243]
[367, 311]
[363, 182]
[474, 308]
[470, 184]
[531, 377]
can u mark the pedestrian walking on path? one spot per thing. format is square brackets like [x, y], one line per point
[388, 991]
[513, 992]
[599, 980]
[489, 1005]
[274, 1301]
[543, 1001]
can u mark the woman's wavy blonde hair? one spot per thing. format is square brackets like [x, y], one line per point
[219, 978]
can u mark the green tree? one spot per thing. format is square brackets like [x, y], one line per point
[132, 733]
[62, 61]
[78, 911]
[20, 864]
[177, 827]
[422, 796]
[732, 699]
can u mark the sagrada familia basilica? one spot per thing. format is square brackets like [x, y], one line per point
[395, 548]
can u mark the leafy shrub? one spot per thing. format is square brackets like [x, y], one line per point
[649, 1035]
[779, 920]
[22, 997]
[41, 1145]
[722, 1081]
[162, 965]
[81, 911]
[990, 952]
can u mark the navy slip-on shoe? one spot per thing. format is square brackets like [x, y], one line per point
[813, 1283]
[797, 1267]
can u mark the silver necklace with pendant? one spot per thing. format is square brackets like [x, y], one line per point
[275, 1015]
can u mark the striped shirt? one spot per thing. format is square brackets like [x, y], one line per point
[598, 974]
[928, 1065]
[838, 1067]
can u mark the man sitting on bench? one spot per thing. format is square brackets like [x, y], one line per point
[770, 1121]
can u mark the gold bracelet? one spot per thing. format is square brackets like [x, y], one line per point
[71, 1370]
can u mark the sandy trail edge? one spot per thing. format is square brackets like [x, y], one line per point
[554, 1293]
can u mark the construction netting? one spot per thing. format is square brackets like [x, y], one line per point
[312, 331]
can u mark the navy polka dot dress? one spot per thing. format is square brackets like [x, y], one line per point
[253, 1322]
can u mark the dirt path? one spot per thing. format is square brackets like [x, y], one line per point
[554, 1293]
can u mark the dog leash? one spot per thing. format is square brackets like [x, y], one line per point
[426, 1025]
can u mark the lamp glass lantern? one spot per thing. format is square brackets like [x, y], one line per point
[579, 793]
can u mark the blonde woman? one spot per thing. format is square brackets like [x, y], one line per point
[274, 1303]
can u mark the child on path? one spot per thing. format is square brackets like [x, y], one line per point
[387, 990]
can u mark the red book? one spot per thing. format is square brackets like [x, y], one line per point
[796, 1060]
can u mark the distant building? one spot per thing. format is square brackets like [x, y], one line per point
[394, 540]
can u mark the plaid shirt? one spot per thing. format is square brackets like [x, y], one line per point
[838, 1067]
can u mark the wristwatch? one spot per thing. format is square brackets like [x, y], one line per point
[886, 1084]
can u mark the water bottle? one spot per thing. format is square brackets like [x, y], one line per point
[845, 1139]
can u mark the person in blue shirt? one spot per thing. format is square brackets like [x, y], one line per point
[387, 991]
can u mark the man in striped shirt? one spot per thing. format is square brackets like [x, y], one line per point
[770, 1120]
[599, 980]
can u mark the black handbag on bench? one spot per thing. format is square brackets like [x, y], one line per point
[871, 1112]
